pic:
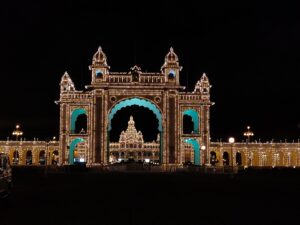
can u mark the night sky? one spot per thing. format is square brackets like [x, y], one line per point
[249, 52]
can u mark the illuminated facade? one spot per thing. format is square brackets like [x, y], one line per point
[31, 152]
[160, 92]
[255, 154]
[244, 154]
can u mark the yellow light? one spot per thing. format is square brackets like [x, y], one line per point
[231, 140]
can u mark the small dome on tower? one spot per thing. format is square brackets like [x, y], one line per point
[171, 60]
[171, 56]
[99, 58]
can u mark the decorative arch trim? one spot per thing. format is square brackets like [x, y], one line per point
[139, 102]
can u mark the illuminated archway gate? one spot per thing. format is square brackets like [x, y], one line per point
[110, 91]
[138, 102]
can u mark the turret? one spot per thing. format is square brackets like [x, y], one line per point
[99, 67]
[66, 83]
[203, 87]
[171, 68]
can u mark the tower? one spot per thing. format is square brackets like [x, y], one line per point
[171, 68]
[99, 67]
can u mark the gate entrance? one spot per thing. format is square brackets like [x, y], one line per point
[87, 115]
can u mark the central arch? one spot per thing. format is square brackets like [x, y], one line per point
[137, 102]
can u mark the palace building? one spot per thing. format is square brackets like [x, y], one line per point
[131, 145]
[86, 123]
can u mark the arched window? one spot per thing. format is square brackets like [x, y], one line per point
[29, 157]
[190, 121]
[225, 159]
[42, 159]
[171, 74]
[81, 124]
[238, 159]
[213, 158]
[16, 157]
[188, 125]
[78, 121]
[55, 158]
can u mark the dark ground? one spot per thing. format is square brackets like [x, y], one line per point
[255, 197]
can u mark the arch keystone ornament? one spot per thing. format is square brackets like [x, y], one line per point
[160, 92]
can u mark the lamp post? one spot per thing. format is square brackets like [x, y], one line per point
[203, 149]
[248, 133]
[48, 141]
[17, 132]
[47, 150]
[231, 141]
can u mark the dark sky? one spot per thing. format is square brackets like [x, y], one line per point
[250, 53]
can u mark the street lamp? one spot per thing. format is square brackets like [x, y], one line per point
[231, 141]
[248, 133]
[17, 132]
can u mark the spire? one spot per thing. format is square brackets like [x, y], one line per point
[131, 122]
[66, 83]
[203, 86]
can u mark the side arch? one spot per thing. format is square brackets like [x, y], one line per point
[195, 118]
[72, 148]
[74, 115]
[196, 148]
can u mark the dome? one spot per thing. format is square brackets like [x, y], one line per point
[171, 56]
[171, 60]
[99, 57]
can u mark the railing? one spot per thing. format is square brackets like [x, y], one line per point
[74, 132]
[120, 79]
[142, 79]
[76, 95]
[189, 97]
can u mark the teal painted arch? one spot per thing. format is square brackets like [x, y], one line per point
[139, 102]
[195, 118]
[74, 115]
[72, 148]
[196, 148]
